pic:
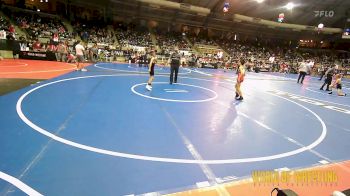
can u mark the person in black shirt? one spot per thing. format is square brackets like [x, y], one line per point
[329, 75]
[10, 36]
[174, 59]
[140, 59]
[323, 71]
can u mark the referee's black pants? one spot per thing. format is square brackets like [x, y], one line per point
[302, 75]
[174, 69]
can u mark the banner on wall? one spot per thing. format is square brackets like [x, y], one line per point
[118, 52]
[138, 48]
[185, 52]
[49, 56]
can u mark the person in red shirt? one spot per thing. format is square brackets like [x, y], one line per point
[71, 58]
[55, 38]
[61, 30]
[51, 47]
[12, 29]
[37, 45]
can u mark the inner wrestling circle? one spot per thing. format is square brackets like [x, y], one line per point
[213, 94]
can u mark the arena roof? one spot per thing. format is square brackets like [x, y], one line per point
[303, 13]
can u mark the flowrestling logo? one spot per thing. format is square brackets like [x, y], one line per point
[310, 101]
[323, 13]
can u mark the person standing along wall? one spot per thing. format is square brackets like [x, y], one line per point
[61, 53]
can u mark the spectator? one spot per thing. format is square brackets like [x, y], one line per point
[71, 58]
[62, 52]
[94, 53]
[12, 29]
[55, 38]
[51, 47]
[303, 70]
[79, 50]
[37, 45]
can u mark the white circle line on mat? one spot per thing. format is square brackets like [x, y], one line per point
[19, 184]
[175, 100]
[159, 159]
[129, 71]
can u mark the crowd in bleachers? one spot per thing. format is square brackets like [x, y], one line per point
[4, 24]
[134, 38]
[127, 36]
[94, 33]
[7, 28]
[131, 35]
[169, 40]
[201, 39]
[38, 26]
[279, 58]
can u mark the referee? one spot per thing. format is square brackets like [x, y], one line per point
[174, 59]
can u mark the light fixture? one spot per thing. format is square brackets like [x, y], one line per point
[259, 1]
[280, 17]
[289, 6]
[320, 26]
[226, 7]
